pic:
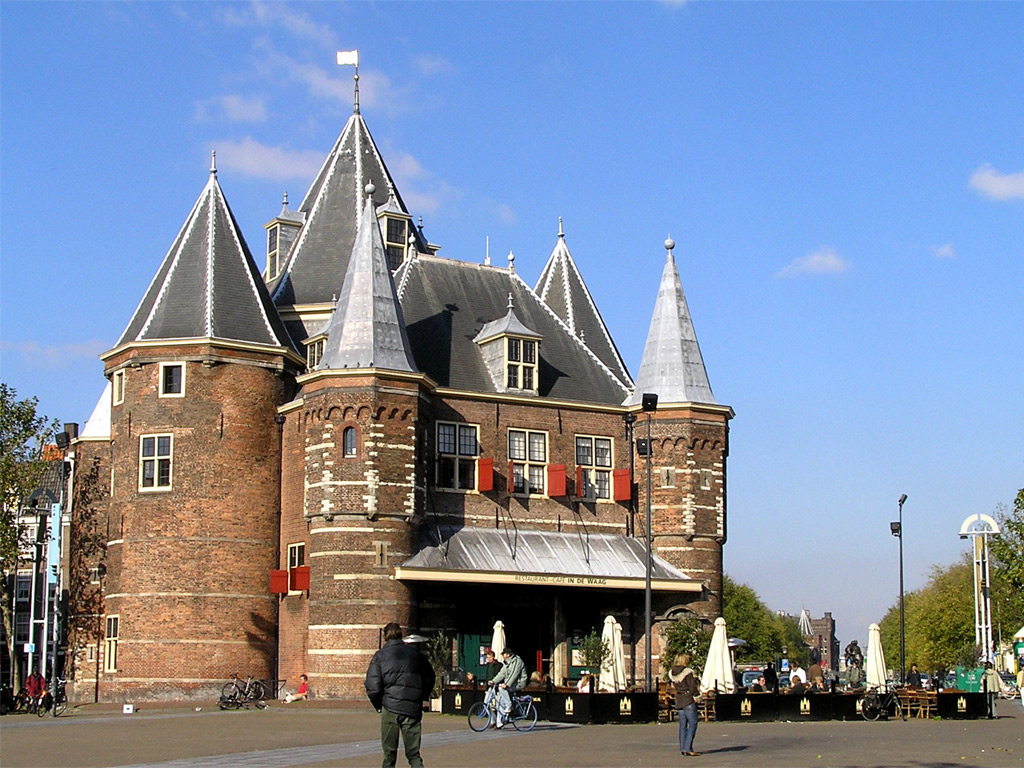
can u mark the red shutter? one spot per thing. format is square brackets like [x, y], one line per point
[485, 475]
[279, 582]
[623, 484]
[556, 480]
[300, 578]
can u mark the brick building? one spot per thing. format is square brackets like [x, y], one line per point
[365, 432]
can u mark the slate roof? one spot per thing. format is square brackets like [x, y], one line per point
[672, 366]
[561, 286]
[367, 329]
[446, 303]
[315, 266]
[208, 285]
[547, 552]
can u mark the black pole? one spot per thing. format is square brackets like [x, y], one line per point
[647, 582]
[903, 641]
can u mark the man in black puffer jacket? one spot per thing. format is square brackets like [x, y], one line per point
[398, 681]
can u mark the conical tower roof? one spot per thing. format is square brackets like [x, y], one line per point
[331, 208]
[562, 288]
[208, 285]
[672, 366]
[367, 329]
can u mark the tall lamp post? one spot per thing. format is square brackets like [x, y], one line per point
[897, 531]
[649, 403]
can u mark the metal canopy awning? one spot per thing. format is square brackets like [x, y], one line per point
[543, 558]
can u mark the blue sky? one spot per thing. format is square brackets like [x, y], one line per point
[844, 182]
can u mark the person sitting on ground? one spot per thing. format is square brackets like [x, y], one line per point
[302, 692]
[798, 687]
[510, 680]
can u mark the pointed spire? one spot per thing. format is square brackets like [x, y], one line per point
[213, 162]
[562, 288]
[367, 329]
[208, 286]
[672, 366]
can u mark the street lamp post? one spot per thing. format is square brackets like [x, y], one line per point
[649, 403]
[897, 531]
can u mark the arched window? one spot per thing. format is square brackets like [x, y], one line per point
[349, 441]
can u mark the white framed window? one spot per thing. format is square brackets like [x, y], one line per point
[458, 447]
[155, 462]
[594, 459]
[172, 379]
[94, 575]
[349, 444]
[117, 385]
[705, 479]
[396, 240]
[528, 453]
[23, 586]
[273, 259]
[315, 352]
[521, 357]
[296, 555]
[110, 644]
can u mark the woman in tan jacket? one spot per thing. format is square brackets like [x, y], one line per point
[687, 693]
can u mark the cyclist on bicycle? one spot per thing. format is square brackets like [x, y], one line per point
[508, 682]
[36, 685]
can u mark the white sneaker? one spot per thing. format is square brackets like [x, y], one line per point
[500, 725]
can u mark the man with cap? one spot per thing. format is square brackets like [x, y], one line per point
[398, 681]
[510, 679]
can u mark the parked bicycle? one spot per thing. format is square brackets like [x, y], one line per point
[236, 694]
[60, 697]
[484, 714]
[874, 704]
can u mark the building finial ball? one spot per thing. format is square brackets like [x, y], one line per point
[670, 244]
[370, 189]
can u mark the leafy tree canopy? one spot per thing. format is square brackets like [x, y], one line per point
[23, 434]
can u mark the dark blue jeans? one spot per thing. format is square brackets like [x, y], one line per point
[687, 727]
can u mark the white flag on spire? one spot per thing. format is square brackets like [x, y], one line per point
[350, 58]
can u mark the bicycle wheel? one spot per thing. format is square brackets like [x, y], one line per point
[524, 721]
[230, 690]
[60, 705]
[479, 717]
[256, 691]
[43, 706]
[871, 706]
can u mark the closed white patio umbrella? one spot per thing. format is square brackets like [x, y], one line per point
[874, 663]
[498, 639]
[717, 673]
[613, 672]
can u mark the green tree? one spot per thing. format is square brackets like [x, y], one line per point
[1007, 567]
[938, 621]
[686, 635]
[23, 434]
[765, 632]
[595, 652]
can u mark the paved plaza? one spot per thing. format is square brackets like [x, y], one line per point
[317, 735]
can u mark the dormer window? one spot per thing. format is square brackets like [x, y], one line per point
[315, 350]
[395, 240]
[273, 259]
[511, 352]
[522, 363]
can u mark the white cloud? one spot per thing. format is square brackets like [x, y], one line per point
[506, 214]
[56, 355]
[824, 261]
[250, 158]
[946, 251]
[278, 16]
[232, 107]
[994, 185]
[433, 65]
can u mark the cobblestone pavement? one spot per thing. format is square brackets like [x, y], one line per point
[318, 735]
